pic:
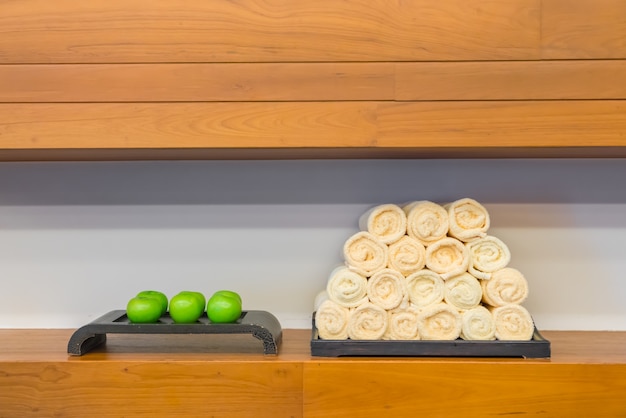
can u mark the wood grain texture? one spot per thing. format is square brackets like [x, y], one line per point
[512, 80]
[508, 124]
[114, 31]
[409, 389]
[156, 376]
[181, 389]
[196, 82]
[184, 125]
[382, 125]
[583, 29]
[586, 376]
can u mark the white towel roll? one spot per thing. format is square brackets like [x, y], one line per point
[463, 292]
[367, 322]
[449, 257]
[407, 255]
[386, 222]
[347, 287]
[427, 222]
[331, 321]
[364, 252]
[513, 322]
[402, 324]
[468, 219]
[425, 287]
[478, 324]
[439, 322]
[387, 289]
[487, 254]
[506, 286]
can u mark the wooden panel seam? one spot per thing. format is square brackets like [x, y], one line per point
[257, 125]
[119, 83]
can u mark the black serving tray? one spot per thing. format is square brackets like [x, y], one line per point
[538, 347]
[261, 324]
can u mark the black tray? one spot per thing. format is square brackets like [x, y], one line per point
[261, 324]
[538, 347]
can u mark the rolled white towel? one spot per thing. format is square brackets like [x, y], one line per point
[487, 254]
[387, 289]
[364, 252]
[478, 324]
[386, 222]
[402, 324]
[449, 257]
[427, 222]
[463, 292]
[407, 255]
[425, 287]
[367, 322]
[513, 322]
[468, 219]
[439, 322]
[506, 286]
[331, 321]
[347, 287]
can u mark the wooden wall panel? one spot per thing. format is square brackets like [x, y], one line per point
[508, 124]
[379, 75]
[196, 82]
[507, 80]
[420, 125]
[470, 390]
[157, 389]
[184, 125]
[583, 29]
[115, 31]
[511, 80]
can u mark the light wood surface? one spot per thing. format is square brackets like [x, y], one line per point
[420, 125]
[146, 79]
[233, 82]
[583, 29]
[115, 31]
[213, 375]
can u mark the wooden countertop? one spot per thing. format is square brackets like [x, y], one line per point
[229, 376]
[22, 345]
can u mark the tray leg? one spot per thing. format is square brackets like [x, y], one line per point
[270, 344]
[80, 342]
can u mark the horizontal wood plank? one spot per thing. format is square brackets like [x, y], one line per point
[259, 125]
[115, 31]
[507, 124]
[513, 80]
[188, 376]
[196, 82]
[471, 390]
[583, 29]
[171, 376]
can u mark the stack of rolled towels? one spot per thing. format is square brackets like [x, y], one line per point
[424, 271]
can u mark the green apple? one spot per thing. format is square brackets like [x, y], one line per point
[160, 296]
[224, 307]
[198, 295]
[143, 310]
[229, 293]
[186, 307]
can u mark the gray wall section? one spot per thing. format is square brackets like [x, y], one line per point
[78, 239]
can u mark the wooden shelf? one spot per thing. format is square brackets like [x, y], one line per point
[212, 375]
[316, 79]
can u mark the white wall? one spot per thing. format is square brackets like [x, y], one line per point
[79, 239]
